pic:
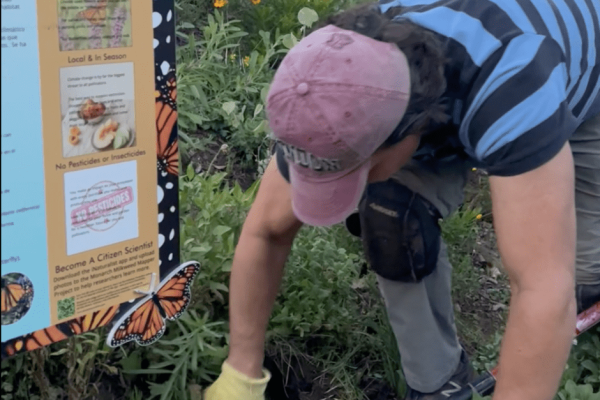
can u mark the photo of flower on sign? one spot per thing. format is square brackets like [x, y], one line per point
[96, 24]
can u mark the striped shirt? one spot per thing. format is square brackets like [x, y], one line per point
[523, 74]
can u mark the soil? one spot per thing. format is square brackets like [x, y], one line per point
[297, 379]
[217, 156]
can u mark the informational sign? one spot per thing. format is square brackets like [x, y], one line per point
[89, 165]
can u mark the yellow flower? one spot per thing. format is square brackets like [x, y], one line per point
[255, 2]
[246, 61]
[219, 3]
[232, 56]
[474, 169]
[479, 216]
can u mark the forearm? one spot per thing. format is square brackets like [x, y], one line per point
[255, 280]
[537, 342]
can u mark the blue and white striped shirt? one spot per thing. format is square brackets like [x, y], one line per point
[525, 73]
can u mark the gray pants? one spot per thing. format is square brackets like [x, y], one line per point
[421, 315]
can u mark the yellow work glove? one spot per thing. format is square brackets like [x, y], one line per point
[233, 385]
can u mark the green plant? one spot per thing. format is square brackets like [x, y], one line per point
[459, 228]
[584, 364]
[192, 13]
[191, 352]
[574, 391]
[212, 214]
[17, 377]
[221, 90]
[86, 356]
[278, 16]
[317, 293]
[70, 369]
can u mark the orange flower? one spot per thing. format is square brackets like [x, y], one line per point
[246, 61]
[219, 3]
[255, 2]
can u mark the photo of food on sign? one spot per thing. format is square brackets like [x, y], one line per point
[98, 110]
[96, 129]
[17, 294]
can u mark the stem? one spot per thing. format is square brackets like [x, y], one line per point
[222, 148]
[39, 376]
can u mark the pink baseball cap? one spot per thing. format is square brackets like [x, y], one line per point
[334, 100]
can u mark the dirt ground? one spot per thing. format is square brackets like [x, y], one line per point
[217, 159]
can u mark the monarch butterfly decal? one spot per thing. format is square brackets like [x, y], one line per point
[56, 333]
[166, 117]
[145, 321]
[94, 15]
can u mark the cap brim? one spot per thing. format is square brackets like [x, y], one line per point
[320, 203]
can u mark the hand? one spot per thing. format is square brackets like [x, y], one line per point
[233, 385]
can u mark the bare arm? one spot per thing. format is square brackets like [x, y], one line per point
[260, 255]
[534, 216]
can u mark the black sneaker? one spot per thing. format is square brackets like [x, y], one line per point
[461, 378]
[587, 296]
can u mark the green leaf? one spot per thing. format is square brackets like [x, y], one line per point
[219, 286]
[289, 40]
[132, 362]
[195, 92]
[589, 364]
[258, 109]
[221, 230]
[307, 16]
[262, 127]
[229, 106]
[186, 25]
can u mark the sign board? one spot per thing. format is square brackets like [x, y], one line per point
[89, 164]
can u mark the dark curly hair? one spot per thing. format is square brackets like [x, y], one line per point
[424, 51]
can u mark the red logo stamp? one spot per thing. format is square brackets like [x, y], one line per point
[106, 200]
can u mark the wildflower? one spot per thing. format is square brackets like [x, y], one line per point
[474, 169]
[479, 216]
[219, 3]
[232, 56]
[255, 2]
[246, 61]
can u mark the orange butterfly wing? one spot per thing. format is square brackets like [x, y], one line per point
[92, 321]
[174, 296]
[143, 325]
[35, 340]
[56, 333]
[95, 15]
[11, 294]
[146, 323]
[166, 118]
